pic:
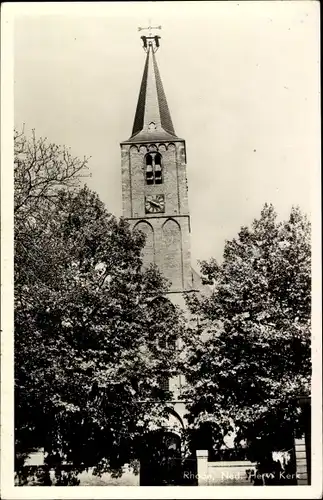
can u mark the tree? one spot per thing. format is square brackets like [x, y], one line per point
[88, 331]
[248, 370]
[41, 169]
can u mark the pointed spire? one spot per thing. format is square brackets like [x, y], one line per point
[152, 119]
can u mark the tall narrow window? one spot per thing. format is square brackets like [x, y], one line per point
[164, 384]
[162, 308]
[154, 174]
[172, 266]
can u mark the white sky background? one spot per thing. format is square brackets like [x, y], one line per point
[242, 84]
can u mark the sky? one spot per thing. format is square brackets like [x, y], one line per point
[242, 84]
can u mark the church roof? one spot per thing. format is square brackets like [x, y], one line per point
[152, 119]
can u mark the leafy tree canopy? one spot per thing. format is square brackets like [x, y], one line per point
[88, 322]
[253, 362]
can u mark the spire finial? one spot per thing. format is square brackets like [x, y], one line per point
[153, 39]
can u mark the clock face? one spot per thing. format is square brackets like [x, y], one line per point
[155, 203]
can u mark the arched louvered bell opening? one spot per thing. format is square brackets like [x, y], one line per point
[153, 168]
[158, 169]
[149, 169]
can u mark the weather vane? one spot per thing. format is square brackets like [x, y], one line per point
[153, 40]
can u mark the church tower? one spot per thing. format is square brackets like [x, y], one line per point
[154, 183]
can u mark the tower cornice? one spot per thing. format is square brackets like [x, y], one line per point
[151, 141]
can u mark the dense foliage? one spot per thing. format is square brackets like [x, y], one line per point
[248, 369]
[88, 320]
